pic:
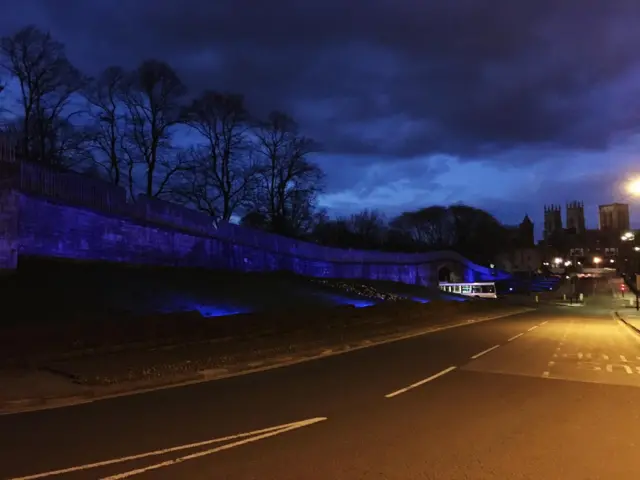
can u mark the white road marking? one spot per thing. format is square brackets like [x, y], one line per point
[552, 363]
[421, 382]
[591, 366]
[626, 368]
[242, 438]
[515, 336]
[544, 323]
[478, 355]
[605, 357]
[533, 328]
[545, 374]
[623, 358]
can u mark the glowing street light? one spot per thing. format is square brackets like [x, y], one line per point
[557, 261]
[633, 187]
[597, 260]
[627, 237]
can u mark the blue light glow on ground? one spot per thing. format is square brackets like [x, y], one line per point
[343, 300]
[453, 298]
[218, 311]
[420, 300]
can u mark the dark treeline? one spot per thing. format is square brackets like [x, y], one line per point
[122, 126]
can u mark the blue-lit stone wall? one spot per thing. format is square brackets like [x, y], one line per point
[9, 236]
[156, 233]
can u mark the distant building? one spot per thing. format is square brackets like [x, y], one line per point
[580, 245]
[522, 235]
[575, 218]
[520, 260]
[614, 217]
[522, 256]
[552, 221]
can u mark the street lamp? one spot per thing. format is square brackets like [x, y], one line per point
[633, 187]
[597, 260]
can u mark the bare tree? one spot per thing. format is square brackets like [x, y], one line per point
[288, 183]
[222, 170]
[154, 93]
[369, 227]
[429, 227]
[47, 83]
[468, 230]
[334, 233]
[3, 87]
[478, 234]
[105, 95]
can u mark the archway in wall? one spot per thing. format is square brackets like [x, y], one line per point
[444, 274]
[452, 272]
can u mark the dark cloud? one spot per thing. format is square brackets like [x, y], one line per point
[382, 77]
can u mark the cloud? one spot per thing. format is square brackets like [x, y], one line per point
[401, 78]
[413, 102]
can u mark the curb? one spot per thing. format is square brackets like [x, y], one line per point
[635, 330]
[13, 407]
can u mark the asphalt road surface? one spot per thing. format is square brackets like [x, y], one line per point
[546, 395]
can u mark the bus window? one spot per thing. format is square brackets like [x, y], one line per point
[477, 289]
[488, 289]
[457, 289]
[466, 289]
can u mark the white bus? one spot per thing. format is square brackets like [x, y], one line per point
[478, 289]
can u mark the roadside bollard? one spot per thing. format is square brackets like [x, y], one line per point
[564, 297]
[582, 298]
[537, 300]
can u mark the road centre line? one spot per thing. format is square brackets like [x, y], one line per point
[241, 439]
[532, 328]
[421, 382]
[478, 355]
[515, 336]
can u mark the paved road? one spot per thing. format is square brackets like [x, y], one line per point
[547, 395]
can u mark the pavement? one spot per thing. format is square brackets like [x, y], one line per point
[49, 379]
[550, 394]
[631, 317]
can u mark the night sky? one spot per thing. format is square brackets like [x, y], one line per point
[501, 104]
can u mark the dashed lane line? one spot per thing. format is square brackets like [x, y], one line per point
[484, 352]
[450, 369]
[421, 382]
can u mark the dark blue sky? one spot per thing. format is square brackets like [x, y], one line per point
[502, 104]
